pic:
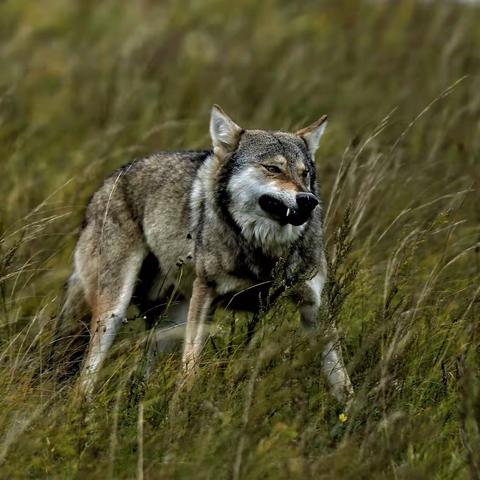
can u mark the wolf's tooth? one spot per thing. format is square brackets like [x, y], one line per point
[288, 212]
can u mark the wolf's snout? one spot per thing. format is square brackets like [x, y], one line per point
[273, 206]
[284, 214]
[306, 202]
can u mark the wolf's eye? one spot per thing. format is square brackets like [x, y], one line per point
[272, 169]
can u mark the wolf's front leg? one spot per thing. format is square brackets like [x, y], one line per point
[332, 361]
[199, 311]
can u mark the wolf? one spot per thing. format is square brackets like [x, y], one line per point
[223, 220]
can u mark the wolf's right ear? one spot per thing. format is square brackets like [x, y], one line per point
[313, 133]
[224, 131]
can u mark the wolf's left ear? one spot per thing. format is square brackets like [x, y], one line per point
[224, 131]
[313, 133]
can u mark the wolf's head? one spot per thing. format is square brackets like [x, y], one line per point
[267, 178]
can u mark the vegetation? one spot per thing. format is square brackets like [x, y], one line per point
[87, 86]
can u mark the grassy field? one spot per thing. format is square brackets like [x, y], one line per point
[87, 86]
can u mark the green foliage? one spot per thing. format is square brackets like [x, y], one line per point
[87, 86]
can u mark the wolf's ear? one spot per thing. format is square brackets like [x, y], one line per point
[224, 131]
[313, 133]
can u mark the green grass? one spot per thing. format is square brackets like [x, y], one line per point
[87, 86]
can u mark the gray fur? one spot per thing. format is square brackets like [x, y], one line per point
[199, 213]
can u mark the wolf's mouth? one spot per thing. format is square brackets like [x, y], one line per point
[278, 211]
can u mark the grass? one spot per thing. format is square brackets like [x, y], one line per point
[87, 86]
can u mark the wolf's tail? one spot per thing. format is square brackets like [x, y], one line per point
[71, 333]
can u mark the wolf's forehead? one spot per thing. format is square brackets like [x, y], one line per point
[262, 144]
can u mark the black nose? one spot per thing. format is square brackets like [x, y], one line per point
[277, 210]
[306, 202]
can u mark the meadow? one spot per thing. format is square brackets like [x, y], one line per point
[88, 86]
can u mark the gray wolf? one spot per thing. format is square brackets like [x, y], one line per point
[224, 218]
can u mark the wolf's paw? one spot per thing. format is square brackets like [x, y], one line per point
[344, 394]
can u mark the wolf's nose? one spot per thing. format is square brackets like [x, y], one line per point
[306, 202]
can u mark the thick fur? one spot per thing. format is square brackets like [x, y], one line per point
[198, 214]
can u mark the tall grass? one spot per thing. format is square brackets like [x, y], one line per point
[87, 86]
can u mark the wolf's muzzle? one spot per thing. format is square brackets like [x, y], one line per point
[306, 202]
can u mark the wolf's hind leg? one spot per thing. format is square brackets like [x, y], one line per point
[332, 362]
[199, 312]
[109, 301]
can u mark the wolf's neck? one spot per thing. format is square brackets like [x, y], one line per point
[271, 237]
